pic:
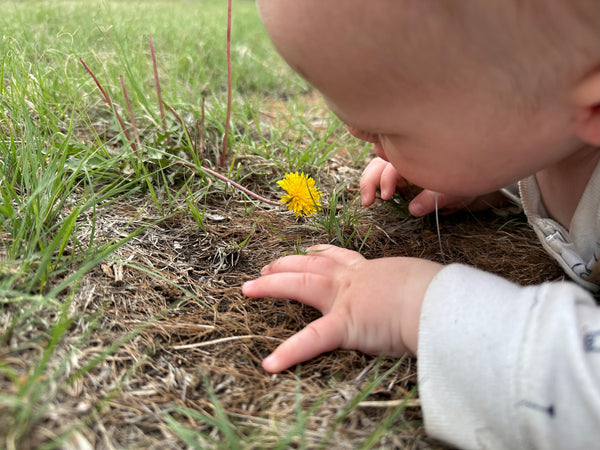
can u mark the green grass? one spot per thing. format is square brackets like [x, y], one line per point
[233, 437]
[64, 161]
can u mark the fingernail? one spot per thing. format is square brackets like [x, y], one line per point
[247, 284]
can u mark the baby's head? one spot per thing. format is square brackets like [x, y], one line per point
[464, 96]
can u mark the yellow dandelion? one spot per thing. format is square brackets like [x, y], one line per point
[302, 195]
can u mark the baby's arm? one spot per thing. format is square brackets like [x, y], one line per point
[504, 366]
[367, 305]
[500, 366]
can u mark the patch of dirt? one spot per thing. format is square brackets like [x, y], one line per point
[175, 291]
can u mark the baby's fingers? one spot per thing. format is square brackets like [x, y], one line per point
[370, 181]
[321, 259]
[389, 181]
[425, 203]
[322, 335]
[311, 289]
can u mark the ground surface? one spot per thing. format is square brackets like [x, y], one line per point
[156, 347]
[172, 294]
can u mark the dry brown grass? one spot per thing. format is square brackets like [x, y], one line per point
[176, 290]
[171, 325]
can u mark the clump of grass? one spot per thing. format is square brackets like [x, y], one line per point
[235, 433]
[199, 164]
[341, 217]
[51, 196]
[126, 179]
[46, 188]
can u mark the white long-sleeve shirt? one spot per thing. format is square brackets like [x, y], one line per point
[504, 366]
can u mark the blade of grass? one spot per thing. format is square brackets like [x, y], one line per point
[109, 102]
[385, 426]
[353, 404]
[131, 115]
[220, 420]
[157, 84]
[229, 87]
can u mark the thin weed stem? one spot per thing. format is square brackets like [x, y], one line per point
[157, 83]
[110, 104]
[201, 147]
[228, 180]
[131, 116]
[228, 111]
[180, 120]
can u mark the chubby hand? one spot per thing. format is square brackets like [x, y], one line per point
[380, 174]
[368, 305]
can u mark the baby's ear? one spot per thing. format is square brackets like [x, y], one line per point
[586, 100]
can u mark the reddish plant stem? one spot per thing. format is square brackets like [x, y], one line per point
[131, 116]
[228, 112]
[180, 120]
[218, 175]
[228, 180]
[110, 103]
[157, 83]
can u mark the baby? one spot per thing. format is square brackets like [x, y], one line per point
[461, 98]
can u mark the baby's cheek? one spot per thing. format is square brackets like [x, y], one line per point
[363, 135]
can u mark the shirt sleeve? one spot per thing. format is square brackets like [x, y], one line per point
[504, 366]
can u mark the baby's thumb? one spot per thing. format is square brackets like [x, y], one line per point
[322, 335]
[425, 203]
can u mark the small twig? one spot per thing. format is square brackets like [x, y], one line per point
[216, 174]
[227, 180]
[157, 82]
[409, 403]
[131, 116]
[223, 340]
[110, 103]
[228, 111]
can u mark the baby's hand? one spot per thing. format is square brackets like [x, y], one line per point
[380, 174]
[367, 305]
